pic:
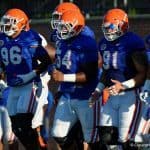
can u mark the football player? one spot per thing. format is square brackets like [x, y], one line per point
[74, 58]
[124, 69]
[20, 52]
[56, 15]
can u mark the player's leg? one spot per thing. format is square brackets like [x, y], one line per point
[76, 135]
[108, 126]
[21, 124]
[46, 118]
[88, 118]
[64, 120]
[142, 135]
[129, 111]
[8, 137]
[48, 126]
[21, 103]
[38, 119]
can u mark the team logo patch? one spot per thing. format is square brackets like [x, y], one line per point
[1, 42]
[103, 47]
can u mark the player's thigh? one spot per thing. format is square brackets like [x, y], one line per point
[109, 113]
[27, 102]
[64, 119]
[128, 115]
[87, 116]
[12, 101]
[143, 125]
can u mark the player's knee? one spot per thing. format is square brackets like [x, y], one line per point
[21, 125]
[108, 135]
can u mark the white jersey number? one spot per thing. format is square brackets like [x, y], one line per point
[12, 55]
[66, 60]
[110, 59]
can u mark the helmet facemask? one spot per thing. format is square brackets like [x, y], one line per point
[9, 25]
[111, 31]
[66, 30]
[55, 19]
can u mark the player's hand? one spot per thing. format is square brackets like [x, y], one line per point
[57, 75]
[22, 79]
[17, 81]
[94, 97]
[27, 77]
[116, 88]
[145, 96]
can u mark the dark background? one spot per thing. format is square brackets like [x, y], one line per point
[39, 11]
[43, 8]
[140, 25]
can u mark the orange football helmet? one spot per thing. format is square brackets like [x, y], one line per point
[70, 24]
[14, 21]
[115, 24]
[59, 10]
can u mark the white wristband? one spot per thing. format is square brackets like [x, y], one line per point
[100, 87]
[69, 77]
[129, 84]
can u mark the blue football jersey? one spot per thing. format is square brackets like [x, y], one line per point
[53, 36]
[71, 56]
[87, 32]
[19, 55]
[117, 56]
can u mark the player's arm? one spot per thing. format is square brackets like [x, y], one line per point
[100, 89]
[43, 58]
[51, 51]
[48, 47]
[140, 63]
[86, 75]
[90, 71]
